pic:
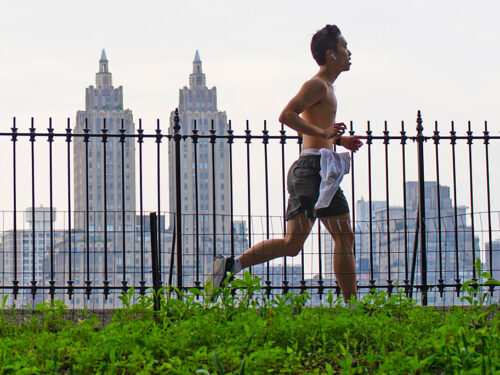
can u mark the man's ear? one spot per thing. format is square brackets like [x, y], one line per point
[331, 53]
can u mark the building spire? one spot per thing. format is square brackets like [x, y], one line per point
[197, 78]
[103, 78]
[196, 57]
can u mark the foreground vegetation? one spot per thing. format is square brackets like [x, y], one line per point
[248, 333]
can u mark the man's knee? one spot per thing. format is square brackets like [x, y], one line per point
[293, 246]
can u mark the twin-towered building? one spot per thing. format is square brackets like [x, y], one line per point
[105, 207]
[105, 188]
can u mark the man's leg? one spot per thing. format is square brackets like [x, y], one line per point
[297, 230]
[344, 264]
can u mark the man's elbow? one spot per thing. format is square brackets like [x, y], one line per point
[284, 117]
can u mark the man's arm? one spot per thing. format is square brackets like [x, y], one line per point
[351, 142]
[311, 93]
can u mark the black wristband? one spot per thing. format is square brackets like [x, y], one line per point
[337, 142]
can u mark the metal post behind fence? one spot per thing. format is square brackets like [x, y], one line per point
[414, 257]
[178, 195]
[154, 260]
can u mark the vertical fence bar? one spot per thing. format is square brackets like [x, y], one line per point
[124, 255]
[488, 199]
[473, 245]
[265, 141]
[159, 137]
[436, 139]
[86, 139]
[104, 140]
[421, 203]
[404, 138]
[353, 195]
[303, 282]
[154, 260]
[140, 140]
[70, 234]
[320, 273]
[283, 142]
[15, 282]
[248, 140]
[369, 141]
[52, 282]
[178, 195]
[388, 218]
[33, 234]
[214, 201]
[453, 141]
[353, 209]
[197, 208]
[230, 143]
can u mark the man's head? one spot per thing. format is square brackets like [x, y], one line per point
[328, 44]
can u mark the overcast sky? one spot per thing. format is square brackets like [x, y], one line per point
[441, 57]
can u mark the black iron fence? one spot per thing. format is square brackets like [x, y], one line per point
[436, 213]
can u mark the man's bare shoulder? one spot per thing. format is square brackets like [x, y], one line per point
[315, 84]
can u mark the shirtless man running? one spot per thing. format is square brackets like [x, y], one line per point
[312, 114]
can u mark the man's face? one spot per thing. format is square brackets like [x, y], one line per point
[342, 55]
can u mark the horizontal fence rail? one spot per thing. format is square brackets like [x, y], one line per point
[211, 190]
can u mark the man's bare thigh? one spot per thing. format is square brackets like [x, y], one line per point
[338, 225]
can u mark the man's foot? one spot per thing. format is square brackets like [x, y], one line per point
[220, 268]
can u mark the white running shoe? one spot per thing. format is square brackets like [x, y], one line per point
[220, 267]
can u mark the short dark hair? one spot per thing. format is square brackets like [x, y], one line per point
[326, 38]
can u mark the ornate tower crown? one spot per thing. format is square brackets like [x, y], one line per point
[197, 78]
[103, 79]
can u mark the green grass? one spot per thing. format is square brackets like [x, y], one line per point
[253, 335]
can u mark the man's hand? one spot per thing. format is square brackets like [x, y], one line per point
[335, 131]
[351, 142]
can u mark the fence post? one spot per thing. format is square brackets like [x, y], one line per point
[421, 207]
[178, 197]
[154, 260]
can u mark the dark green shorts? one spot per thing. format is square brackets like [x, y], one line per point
[303, 182]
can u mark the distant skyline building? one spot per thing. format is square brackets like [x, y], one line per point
[209, 167]
[442, 242]
[104, 114]
[33, 244]
[104, 186]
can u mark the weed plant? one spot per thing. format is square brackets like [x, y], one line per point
[237, 330]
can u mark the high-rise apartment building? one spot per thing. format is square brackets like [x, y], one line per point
[33, 247]
[111, 188]
[104, 191]
[198, 104]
